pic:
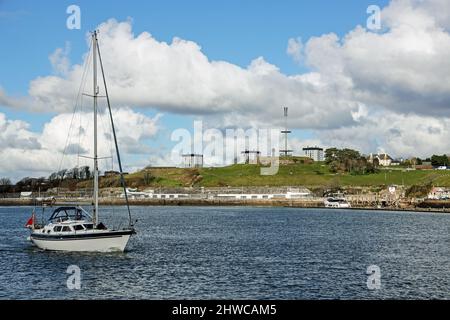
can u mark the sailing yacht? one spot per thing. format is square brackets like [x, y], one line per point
[72, 228]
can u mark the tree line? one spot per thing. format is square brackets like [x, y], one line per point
[43, 184]
[350, 161]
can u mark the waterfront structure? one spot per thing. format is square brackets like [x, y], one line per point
[151, 195]
[26, 195]
[290, 194]
[439, 193]
[314, 153]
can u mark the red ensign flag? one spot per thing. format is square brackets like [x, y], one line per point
[30, 221]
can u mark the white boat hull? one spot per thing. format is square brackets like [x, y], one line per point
[100, 244]
[339, 206]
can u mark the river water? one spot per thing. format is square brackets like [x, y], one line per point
[240, 253]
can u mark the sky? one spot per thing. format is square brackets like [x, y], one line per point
[229, 64]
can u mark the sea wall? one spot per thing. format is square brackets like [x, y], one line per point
[425, 206]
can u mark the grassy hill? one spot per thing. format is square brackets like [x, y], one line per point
[312, 175]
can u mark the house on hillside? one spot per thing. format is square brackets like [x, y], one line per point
[384, 159]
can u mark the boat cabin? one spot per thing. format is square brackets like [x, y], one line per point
[62, 214]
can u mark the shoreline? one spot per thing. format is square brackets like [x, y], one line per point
[427, 206]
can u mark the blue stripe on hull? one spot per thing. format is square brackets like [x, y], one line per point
[105, 235]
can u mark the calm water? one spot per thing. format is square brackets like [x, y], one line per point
[240, 253]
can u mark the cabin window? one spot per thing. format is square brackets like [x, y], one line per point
[57, 229]
[89, 226]
[66, 229]
[78, 227]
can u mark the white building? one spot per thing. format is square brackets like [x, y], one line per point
[302, 193]
[314, 153]
[384, 159]
[151, 195]
[438, 193]
[26, 195]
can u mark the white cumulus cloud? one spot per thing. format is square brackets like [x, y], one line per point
[369, 85]
[23, 152]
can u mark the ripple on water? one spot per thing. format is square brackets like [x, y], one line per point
[240, 253]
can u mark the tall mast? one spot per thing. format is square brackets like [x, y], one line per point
[286, 152]
[94, 46]
[285, 130]
[122, 179]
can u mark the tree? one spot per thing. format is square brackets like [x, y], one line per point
[148, 178]
[53, 176]
[73, 173]
[62, 174]
[85, 172]
[376, 162]
[5, 182]
[330, 155]
[348, 160]
[26, 183]
[438, 161]
[5, 185]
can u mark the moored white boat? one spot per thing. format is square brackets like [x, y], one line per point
[71, 228]
[335, 202]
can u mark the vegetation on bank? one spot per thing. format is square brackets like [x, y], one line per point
[297, 173]
[350, 161]
[309, 175]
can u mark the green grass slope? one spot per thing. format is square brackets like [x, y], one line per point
[313, 175]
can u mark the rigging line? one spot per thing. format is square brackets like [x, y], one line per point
[68, 139]
[80, 124]
[81, 141]
[122, 179]
[75, 109]
[84, 138]
[82, 84]
[111, 152]
[110, 148]
[79, 133]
